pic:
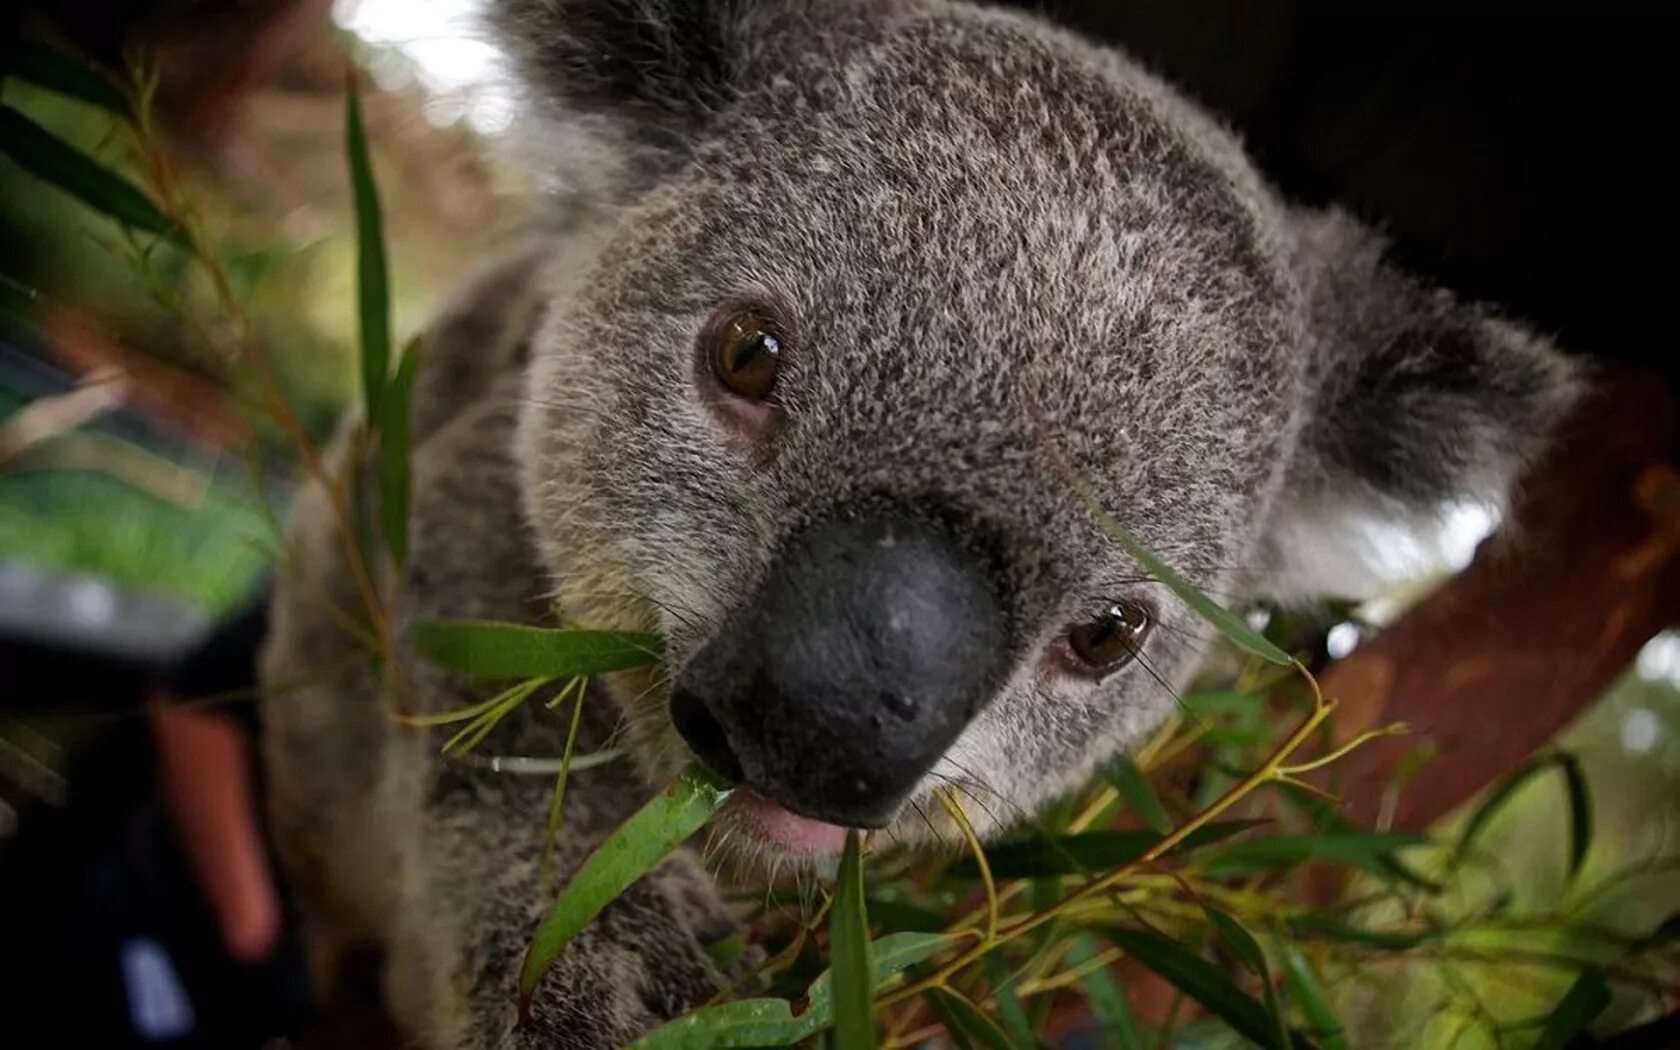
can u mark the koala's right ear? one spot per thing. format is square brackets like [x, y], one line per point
[643, 78]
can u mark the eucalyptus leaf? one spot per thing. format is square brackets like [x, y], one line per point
[51, 159]
[1363, 849]
[1090, 851]
[1108, 1002]
[1578, 1008]
[373, 294]
[1198, 979]
[393, 454]
[771, 1022]
[1134, 788]
[1326, 1028]
[65, 74]
[487, 649]
[848, 942]
[659, 827]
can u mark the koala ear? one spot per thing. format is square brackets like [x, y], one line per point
[1416, 401]
[638, 78]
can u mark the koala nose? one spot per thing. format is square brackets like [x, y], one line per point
[871, 643]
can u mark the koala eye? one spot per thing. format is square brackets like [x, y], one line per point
[1113, 639]
[745, 350]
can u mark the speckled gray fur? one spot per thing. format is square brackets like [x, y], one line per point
[958, 213]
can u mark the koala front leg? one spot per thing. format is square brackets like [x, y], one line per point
[473, 902]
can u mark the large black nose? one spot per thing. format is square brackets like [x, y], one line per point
[871, 643]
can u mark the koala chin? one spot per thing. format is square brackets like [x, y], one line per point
[825, 283]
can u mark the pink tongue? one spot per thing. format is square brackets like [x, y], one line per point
[790, 830]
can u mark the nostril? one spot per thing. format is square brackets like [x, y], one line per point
[704, 735]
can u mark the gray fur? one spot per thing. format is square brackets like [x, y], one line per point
[958, 213]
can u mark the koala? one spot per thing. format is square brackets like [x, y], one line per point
[839, 308]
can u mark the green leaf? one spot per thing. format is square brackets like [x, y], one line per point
[373, 294]
[655, 830]
[965, 1022]
[1580, 805]
[1578, 1008]
[1223, 620]
[1303, 983]
[1363, 849]
[771, 1022]
[488, 649]
[1246, 950]
[1198, 979]
[848, 942]
[1134, 788]
[1580, 812]
[393, 454]
[1108, 1002]
[1009, 1009]
[40, 152]
[1088, 852]
[1329, 929]
[62, 73]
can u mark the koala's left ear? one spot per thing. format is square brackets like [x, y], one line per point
[1416, 400]
[635, 83]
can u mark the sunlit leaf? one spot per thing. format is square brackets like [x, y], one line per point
[637, 845]
[505, 650]
[848, 942]
[43, 154]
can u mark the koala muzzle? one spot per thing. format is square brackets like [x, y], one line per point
[871, 643]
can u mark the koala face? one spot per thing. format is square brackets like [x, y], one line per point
[860, 286]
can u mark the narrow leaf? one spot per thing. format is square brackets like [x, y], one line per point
[373, 296]
[38, 151]
[1303, 983]
[655, 830]
[960, 1015]
[770, 1022]
[1247, 952]
[1580, 806]
[1580, 812]
[1134, 788]
[59, 72]
[1397, 940]
[507, 650]
[1089, 852]
[1364, 849]
[1223, 620]
[1009, 1009]
[1108, 1002]
[394, 452]
[848, 941]
[1198, 979]
[1580, 1006]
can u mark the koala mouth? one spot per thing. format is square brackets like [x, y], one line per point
[788, 830]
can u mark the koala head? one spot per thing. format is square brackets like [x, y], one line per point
[844, 282]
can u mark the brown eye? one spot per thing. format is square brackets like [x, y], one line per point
[746, 352]
[1111, 640]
